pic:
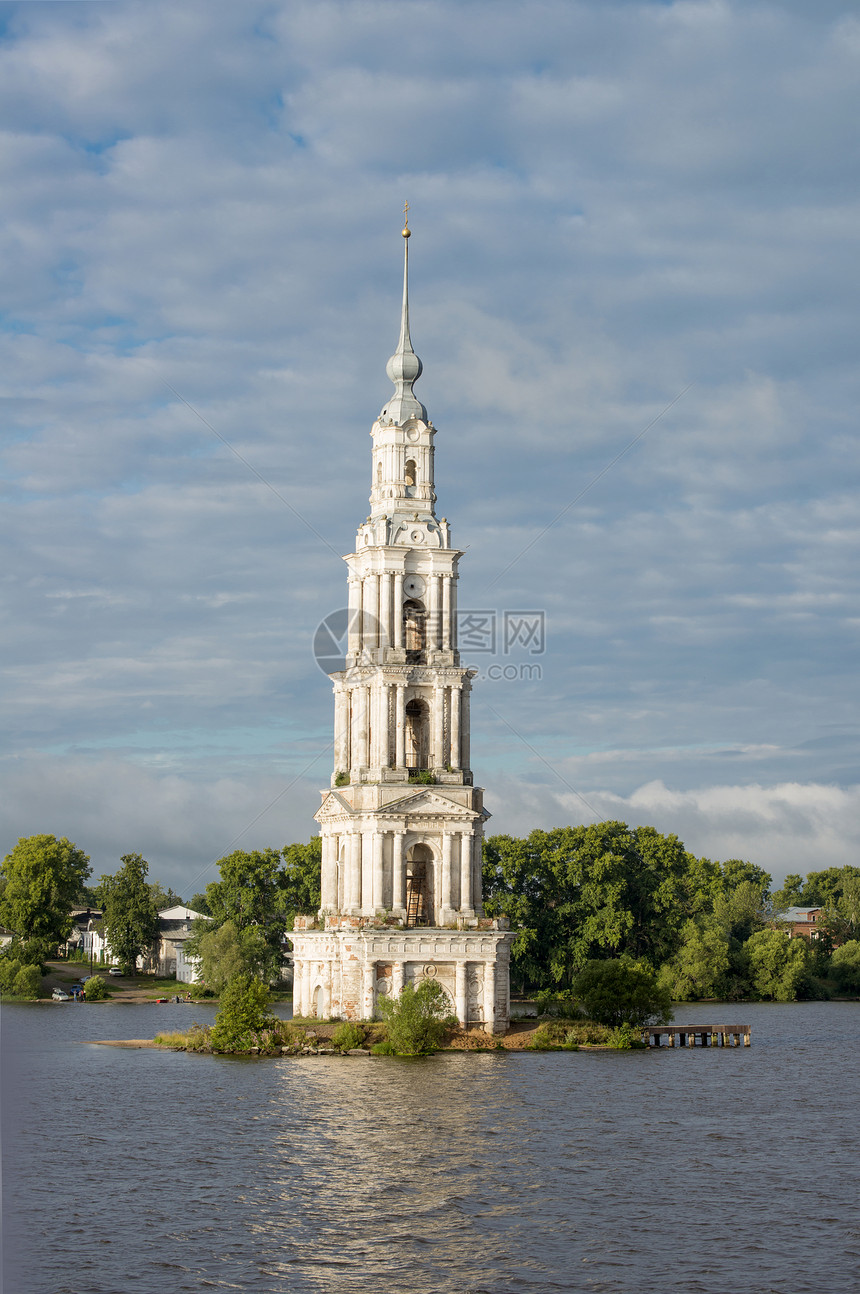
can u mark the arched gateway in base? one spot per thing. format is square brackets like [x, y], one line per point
[402, 822]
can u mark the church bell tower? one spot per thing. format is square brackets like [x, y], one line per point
[402, 822]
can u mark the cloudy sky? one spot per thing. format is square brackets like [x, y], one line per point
[634, 291]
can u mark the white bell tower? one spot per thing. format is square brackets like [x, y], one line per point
[402, 822]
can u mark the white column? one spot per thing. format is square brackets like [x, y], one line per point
[400, 730]
[445, 899]
[298, 966]
[397, 979]
[437, 754]
[378, 905]
[341, 730]
[375, 725]
[398, 871]
[384, 721]
[354, 877]
[433, 608]
[367, 872]
[489, 996]
[466, 873]
[465, 751]
[477, 878]
[328, 879]
[371, 611]
[354, 622]
[460, 992]
[369, 995]
[454, 612]
[456, 696]
[362, 695]
[397, 610]
[446, 612]
[385, 638]
[342, 856]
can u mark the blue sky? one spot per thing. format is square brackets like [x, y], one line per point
[616, 207]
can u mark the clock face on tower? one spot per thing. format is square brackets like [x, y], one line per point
[413, 586]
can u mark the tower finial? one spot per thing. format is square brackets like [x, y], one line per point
[404, 367]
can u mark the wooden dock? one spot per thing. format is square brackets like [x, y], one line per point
[696, 1035]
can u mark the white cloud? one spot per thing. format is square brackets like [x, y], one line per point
[611, 201]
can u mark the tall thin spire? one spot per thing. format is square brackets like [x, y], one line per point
[404, 367]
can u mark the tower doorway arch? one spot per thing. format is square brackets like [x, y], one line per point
[419, 886]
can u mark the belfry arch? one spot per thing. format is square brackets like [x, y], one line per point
[417, 735]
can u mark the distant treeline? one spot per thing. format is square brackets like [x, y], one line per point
[574, 895]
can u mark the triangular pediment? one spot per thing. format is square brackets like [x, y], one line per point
[333, 806]
[430, 803]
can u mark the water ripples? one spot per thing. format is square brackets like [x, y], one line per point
[596, 1172]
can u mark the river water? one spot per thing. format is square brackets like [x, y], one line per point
[697, 1170]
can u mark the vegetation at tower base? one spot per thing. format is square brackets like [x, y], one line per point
[417, 1020]
[130, 915]
[42, 879]
[242, 1015]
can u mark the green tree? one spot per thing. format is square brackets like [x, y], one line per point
[242, 1013]
[826, 887]
[18, 980]
[200, 903]
[416, 1021]
[621, 992]
[780, 967]
[845, 966]
[44, 878]
[579, 893]
[226, 951]
[251, 894]
[301, 878]
[736, 872]
[130, 915]
[789, 895]
[164, 898]
[700, 966]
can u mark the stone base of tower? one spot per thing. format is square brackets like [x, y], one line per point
[342, 974]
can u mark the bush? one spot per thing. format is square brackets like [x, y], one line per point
[621, 992]
[625, 1038]
[242, 1015]
[347, 1036]
[418, 1019]
[95, 989]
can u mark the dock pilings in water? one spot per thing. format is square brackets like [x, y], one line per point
[692, 1035]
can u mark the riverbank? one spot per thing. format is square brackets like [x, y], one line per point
[519, 1037]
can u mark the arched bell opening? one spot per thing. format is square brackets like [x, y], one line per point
[417, 740]
[410, 475]
[419, 886]
[414, 630]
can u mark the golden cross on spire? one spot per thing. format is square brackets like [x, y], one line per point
[406, 231]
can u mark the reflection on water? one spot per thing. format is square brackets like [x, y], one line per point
[685, 1171]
